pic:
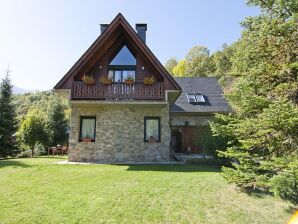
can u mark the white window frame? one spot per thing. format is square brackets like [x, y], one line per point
[195, 97]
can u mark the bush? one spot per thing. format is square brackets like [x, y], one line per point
[285, 184]
[25, 154]
[39, 149]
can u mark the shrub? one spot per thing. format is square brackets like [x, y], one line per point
[25, 154]
[285, 184]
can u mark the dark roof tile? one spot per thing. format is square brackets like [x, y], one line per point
[209, 87]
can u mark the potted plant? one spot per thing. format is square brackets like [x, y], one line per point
[151, 139]
[88, 79]
[86, 139]
[105, 80]
[149, 80]
[129, 80]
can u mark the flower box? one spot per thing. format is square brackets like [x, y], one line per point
[88, 79]
[149, 80]
[152, 140]
[89, 82]
[86, 139]
[105, 80]
[129, 82]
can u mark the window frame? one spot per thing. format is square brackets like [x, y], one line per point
[121, 70]
[145, 127]
[204, 100]
[195, 96]
[81, 122]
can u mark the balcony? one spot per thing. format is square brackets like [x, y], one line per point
[118, 91]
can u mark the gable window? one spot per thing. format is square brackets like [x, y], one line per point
[122, 66]
[87, 129]
[124, 57]
[152, 129]
[195, 98]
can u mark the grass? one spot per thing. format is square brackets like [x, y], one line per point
[38, 191]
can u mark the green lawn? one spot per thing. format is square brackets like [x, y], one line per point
[38, 191]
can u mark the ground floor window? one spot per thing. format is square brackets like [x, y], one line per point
[87, 129]
[152, 129]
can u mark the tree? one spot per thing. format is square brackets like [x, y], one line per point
[33, 130]
[262, 133]
[170, 64]
[179, 69]
[7, 118]
[198, 62]
[56, 122]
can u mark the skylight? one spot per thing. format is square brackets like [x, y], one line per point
[195, 98]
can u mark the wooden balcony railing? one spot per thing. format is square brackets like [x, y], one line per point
[118, 91]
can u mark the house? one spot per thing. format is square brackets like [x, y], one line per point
[125, 106]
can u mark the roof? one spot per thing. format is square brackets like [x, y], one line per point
[97, 49]
[209, 87]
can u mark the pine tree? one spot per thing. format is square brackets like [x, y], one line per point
[7, 118]
[56, 122]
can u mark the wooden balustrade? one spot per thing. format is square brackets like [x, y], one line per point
[118, 91]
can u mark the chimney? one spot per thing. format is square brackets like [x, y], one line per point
[103, 27]
[141, 29]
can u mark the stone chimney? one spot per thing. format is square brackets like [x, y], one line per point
[141, 29]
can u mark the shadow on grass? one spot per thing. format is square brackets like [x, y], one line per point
[52, 157]
[172, 168]
[13, 163]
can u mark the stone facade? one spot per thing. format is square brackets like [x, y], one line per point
[193, 120]
[119, 133]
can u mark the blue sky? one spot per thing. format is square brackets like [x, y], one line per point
[41, 40]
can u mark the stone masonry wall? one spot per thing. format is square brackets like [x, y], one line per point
[119, 134]
[199, 120]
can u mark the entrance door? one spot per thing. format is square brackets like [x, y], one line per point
[177, 139]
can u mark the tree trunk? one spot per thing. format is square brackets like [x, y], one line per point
[32, 152]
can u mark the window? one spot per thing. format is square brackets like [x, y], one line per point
[124, 57]
[152, 129]
[121, 75]
[200, 98]
[195, 98]
[87, 129]
[122, 66]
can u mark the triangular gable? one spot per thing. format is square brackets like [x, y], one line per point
[119, 21]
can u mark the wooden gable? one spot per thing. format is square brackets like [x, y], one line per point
[99, 54]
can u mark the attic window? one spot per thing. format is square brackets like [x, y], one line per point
[195, 98]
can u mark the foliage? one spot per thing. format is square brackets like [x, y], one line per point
[33, 130]
[149, 80]
[105, 80]
[170, 64]
[129, 78]
[7, 119]
[285, 183]
[55, 112]
[198, 62]
[179, 69]
[262, 133]
[56, 123]
[88, 78]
